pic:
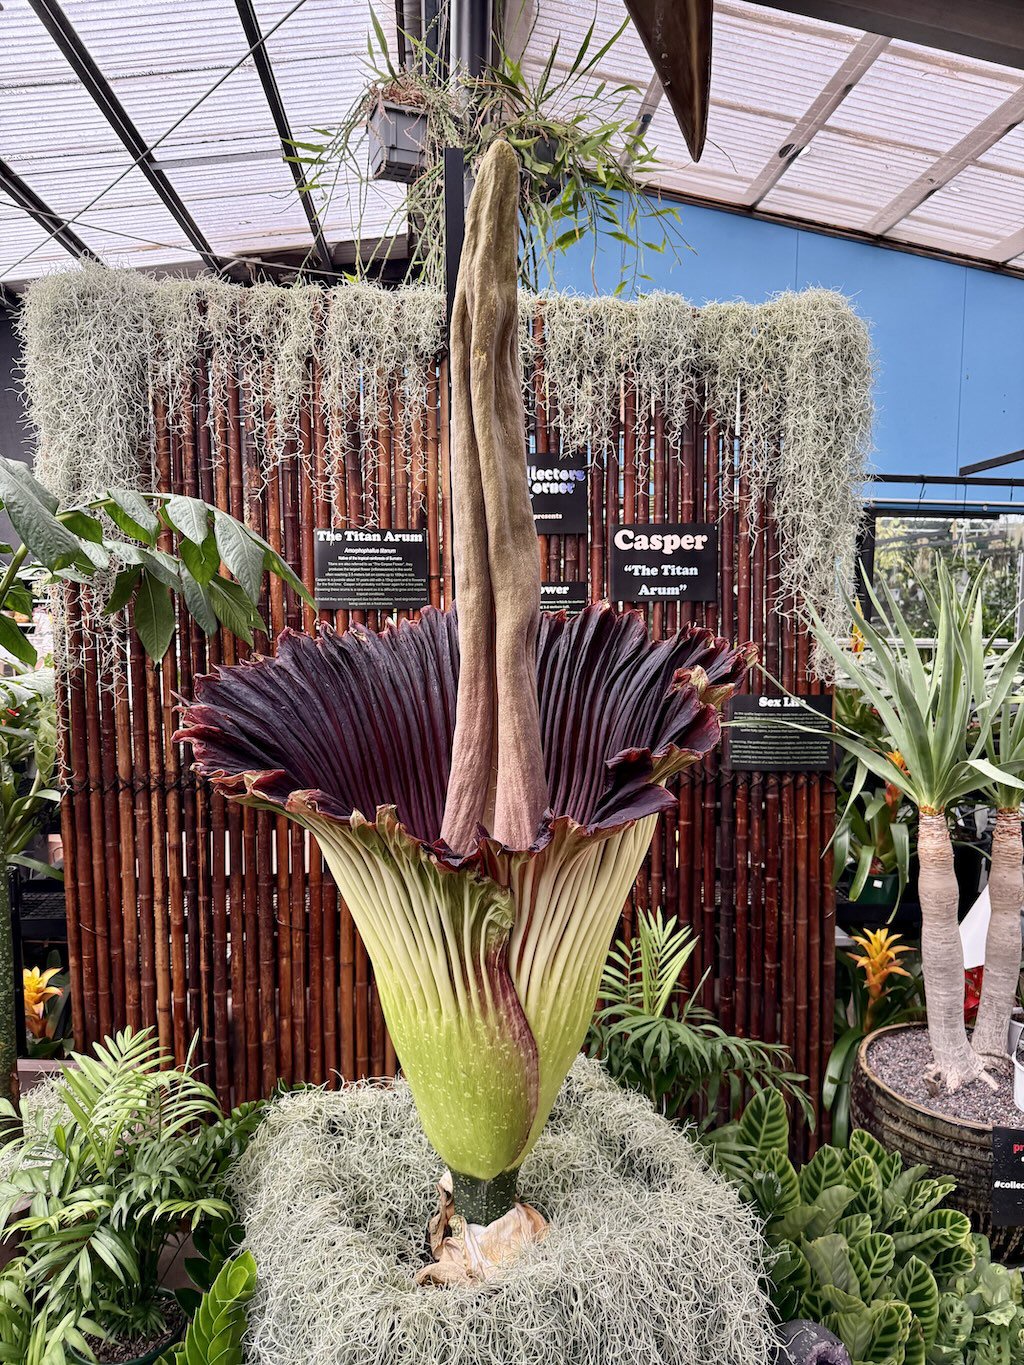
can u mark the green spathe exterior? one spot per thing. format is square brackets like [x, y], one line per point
[487, 961]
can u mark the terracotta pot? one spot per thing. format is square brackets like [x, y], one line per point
[955, 1147]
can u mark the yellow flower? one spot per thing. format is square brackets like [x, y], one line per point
[880, 959]
[857, 640]
[897, 760]
[37, 991]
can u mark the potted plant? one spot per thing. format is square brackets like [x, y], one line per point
[75, 544]
[491, 785]
[136, 1160]
[874, 833]
[875, 989]
[583, 152]
[948, 708]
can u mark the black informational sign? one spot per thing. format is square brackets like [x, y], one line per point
[1007, 1177]
[558, 491]
[757, 744]
[664, 562]
[570, 597]
[371, 569]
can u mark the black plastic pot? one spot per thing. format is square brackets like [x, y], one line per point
[151, 1356]
[397, 136]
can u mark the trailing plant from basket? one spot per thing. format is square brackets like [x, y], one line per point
[879, 990]
[654, 1037]
[862, 1244]
[484, 788]
[938, 705]
[119, 544]
[583, 150]
[218, 1326]
[140, 1159]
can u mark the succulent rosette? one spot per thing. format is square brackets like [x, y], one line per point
[484, 787]
[487, 959]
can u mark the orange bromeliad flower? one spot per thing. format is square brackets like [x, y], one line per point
[37, 991]
[880, 961]
[893, 795]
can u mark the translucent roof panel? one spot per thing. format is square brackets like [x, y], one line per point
[809, 122]
[822, 124]
[183, 77]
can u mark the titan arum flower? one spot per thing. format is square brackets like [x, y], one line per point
[484, 787]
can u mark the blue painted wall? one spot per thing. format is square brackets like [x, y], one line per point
[949, 340]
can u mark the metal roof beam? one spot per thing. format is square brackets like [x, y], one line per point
[861, 58]
[59, 27]
[988, 29]
[976, 143]
[254, 37]
[52, 223]
[1008, 249]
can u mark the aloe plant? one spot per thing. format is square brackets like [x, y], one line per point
[484, 789]
[865, 1246]
[938, 705]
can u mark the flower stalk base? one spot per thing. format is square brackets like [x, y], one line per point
[484, 1201]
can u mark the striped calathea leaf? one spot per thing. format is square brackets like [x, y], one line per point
[484, 786]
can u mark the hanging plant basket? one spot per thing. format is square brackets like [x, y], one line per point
[397, 136]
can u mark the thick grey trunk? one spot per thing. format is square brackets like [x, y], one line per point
[1003, 943]
[942, 957]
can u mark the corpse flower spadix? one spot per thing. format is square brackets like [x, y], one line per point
[484, 786]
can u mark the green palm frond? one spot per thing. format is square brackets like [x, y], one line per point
[654, 1037]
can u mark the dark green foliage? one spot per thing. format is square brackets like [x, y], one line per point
[72, 544]
[653, 1037]
[864, 1245]
[141, 1157]
[214, 1336]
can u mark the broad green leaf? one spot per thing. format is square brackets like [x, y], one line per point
[240, 553]
[232, 608]
[154, 616]
[915, 1285]
[132, 513]
[202, 561]
[188, 515]
[14, 640]
[197, 600]
[44, 536]
[124, 586]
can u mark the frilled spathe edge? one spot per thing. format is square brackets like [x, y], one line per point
[363, 722]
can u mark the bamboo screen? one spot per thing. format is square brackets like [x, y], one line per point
[239, 938]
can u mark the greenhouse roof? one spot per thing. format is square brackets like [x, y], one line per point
[146, 133]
